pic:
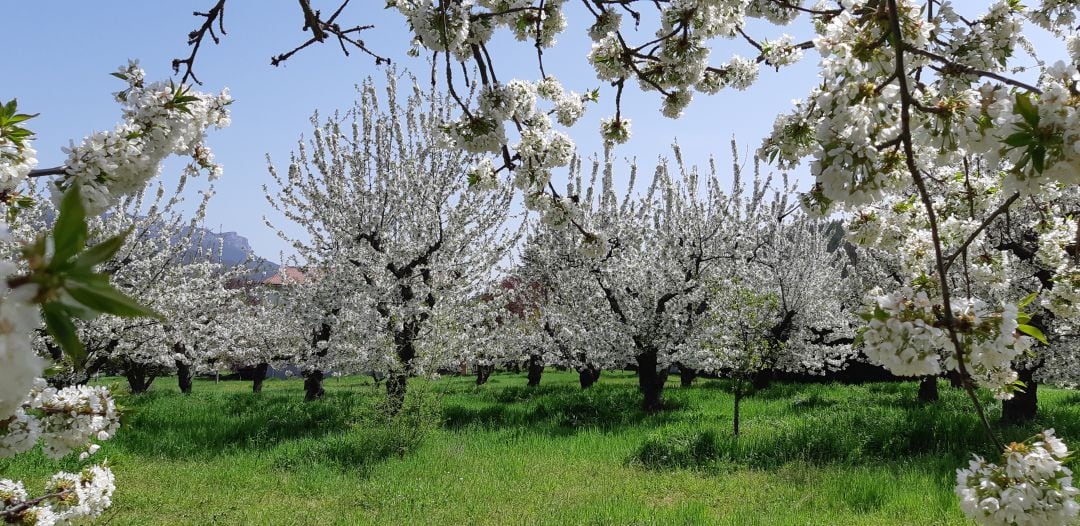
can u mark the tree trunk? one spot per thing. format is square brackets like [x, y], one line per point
[139, 378]
[735, 415]
[650, 382]
[928, 390]
[588, 375]
[954, 379]
[183, 376]
[483, 372]
[536, 370]
[762, 379]
[81, 376]
[396, 385]
[397, 382]
[259, 377]
[313, 388]
[686, 376]
[1023, 406]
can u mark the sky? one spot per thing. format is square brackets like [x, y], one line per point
[66, 51]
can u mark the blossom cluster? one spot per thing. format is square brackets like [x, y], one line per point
[674, 63]
[16, 162]
[159, 119]
[64, 420]
[905, 334]
[1031, 486]
[19, 364]
[68, 498]
[541, 148]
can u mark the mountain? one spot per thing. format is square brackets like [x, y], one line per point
[234, 249]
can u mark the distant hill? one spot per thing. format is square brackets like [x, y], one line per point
[234, 250]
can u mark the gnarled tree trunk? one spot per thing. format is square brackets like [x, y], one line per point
[397, 382]
[183, 376]
[954, 379]
[686, 375]
[650, 382]
[1023, 406]
[738, 392]
[928, 389]
[258, 376]
[536, 370]
[313, 388]
[483, 372]
[588, 375]
[762, 379]
[139, 377]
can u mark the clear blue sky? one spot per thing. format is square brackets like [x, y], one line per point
[66, 50]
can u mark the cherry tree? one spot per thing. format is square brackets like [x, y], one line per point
[259, 331]
[906, 87]
[403, 242]
[53, 280]
[642, 273]
[780, 308]
[161, 265]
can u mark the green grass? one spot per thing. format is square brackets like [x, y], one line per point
[506, 454]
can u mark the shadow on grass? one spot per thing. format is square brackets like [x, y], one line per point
[558, 410]
[171, 425]
[856, 429]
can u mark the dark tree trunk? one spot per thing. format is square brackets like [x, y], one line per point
[313, 388]
[1023, 406]
[735, 414]
[954, 379]
[928, 390]
[650, 382]
[686, 376]
[483, 372]
[396, 385]
[762, 379]
[536, 370]
[397, 382]
[81, 376]
[139, 378]
[258, 377]
[183, 376]
[588, 375]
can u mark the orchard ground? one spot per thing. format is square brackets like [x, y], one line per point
[503, 453]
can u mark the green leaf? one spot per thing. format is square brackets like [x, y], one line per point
[69, 232]
[59, 325]
[1026, 109]
[1034, 332]
[104, 298]
[1038, 158]
[20, 117]
[119, 75]
[1028, 299]
[87, 277]
[101, 252]
[1018, 139]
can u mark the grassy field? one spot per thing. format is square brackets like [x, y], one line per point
[506, 454]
